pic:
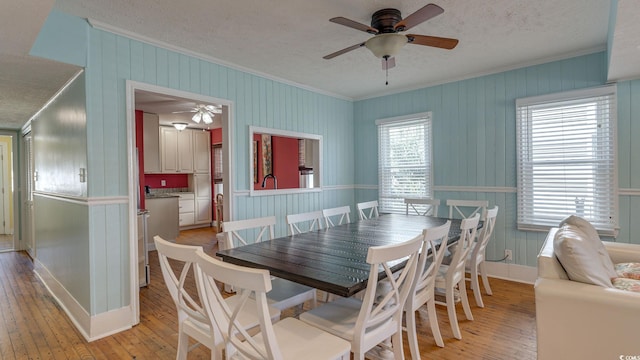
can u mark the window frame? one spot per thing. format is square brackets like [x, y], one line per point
[528, 221]
[425, 119]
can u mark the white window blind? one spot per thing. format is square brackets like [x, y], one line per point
[567, 159]
[404, 161]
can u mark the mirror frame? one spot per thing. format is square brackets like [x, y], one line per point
[284, 133]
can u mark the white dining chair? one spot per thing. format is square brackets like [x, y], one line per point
[287, 339]
[285, 293]
[193, 321]
[304, 222]
[341, 211]
[378, 316]
[421, 206]
[476, 261]
[423, 288]
[450, 280]
[368, 209]
[463, 209]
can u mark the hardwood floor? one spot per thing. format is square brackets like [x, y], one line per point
[6, 242]
[33, 326]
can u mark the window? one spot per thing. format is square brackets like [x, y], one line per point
[404, 161]
[566, 159]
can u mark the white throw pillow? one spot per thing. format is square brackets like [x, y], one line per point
[594, 240]
[579, 258]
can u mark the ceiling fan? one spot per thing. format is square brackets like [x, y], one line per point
[204, 113]
[386, 25]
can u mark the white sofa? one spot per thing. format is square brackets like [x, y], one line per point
[582, 321]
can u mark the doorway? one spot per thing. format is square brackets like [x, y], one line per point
[7, 240]
[164, 98]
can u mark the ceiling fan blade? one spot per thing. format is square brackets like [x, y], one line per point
[439, 42]
[425, 13]
[340, 52]
[215, 109]
[353, 24]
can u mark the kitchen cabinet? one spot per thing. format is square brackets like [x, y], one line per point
[202, 193]
[186, 209]
[201, 151]
[163, 218]
[151, 142]
[176, 150]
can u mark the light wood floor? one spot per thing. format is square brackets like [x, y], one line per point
[6, 242]
[32, 325]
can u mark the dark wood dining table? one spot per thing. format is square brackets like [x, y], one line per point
[334, 259]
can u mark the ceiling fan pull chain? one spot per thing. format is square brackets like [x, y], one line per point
[386, 69]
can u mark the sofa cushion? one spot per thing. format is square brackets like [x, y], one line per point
[594, 240]
[628, 270]
[579, 257]
[627, 284]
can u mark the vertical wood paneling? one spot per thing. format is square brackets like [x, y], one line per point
[634, 110]
[624, 134]
[474, 136]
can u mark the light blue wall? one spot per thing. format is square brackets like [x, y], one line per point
[111, 60]
[474, 140]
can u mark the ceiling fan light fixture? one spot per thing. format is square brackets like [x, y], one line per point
[206, 118]
[197, 117]
[386, 44]
[179, 125]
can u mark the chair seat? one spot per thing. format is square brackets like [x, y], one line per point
[441, 285]
[337, 317]
[285, 294]
[249, 318]
[293, 338]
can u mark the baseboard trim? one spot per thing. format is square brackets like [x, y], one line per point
[512, 272]
[91, 327]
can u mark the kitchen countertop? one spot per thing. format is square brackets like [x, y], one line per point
[160, 196]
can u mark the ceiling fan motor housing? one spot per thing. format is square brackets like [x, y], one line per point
[384, 20]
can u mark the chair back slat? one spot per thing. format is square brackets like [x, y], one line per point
[251, 284]
[464, 209]
[304, 222]
[489, 224]
[468, 228]
[342, 211]
[422, 206]
[368, 209]
[186, 254]
[383, 301]
[233, 230]
[434, 247]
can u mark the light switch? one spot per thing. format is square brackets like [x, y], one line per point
[163, 183]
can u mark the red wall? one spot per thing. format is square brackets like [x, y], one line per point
[216, 136]
[284, 152]
[140, 148]
[172, 180]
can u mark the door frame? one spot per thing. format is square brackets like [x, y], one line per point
[16, 185]
[227, 139]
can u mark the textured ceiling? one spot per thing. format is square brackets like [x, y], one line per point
[286, 39]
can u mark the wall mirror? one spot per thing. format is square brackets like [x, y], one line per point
[283, 161]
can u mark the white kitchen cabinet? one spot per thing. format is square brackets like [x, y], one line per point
[163, 218]
[176, 150]
[151, 142]
[201, 151]
[202, 192]
[186, 209]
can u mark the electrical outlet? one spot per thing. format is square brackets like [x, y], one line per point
[508, 254]
[163, 183]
